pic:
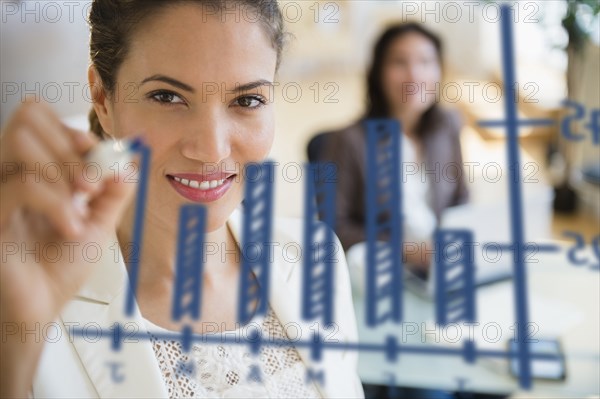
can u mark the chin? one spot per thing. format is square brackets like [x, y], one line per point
[218, 212]
[217, 218]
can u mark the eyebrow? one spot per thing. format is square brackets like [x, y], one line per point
[168, 80]
[252, 85]
[186, 87]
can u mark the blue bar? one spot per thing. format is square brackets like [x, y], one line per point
[383, 164]
[138, 225]
[319, 245]
[256, 240]
[453, 306]
[187, 294]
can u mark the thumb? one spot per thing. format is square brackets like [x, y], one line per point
[117, 192]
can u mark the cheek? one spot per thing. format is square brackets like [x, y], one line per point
[392, 77]
[397, 83]
[127, 122]
[131, 122]
[433, 76]
[390, 83]
[254, 144]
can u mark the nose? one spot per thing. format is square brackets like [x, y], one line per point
[210, 139]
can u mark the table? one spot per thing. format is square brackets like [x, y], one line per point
[564, 301]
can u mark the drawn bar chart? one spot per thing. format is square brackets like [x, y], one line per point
[190, 261]
[512, 123]
[256, 240]
[384, 273]
[454, 277]
[390, 347]
[384, 249]
[319, 260]
[138, 224]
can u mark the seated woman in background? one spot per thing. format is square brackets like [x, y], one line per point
[402, 83]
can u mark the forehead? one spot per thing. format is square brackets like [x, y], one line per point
[184, 41]
[412, 43]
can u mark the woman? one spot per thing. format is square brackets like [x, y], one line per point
[402, 84]
[152, 65]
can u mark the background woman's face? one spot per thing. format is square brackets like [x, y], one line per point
[179, 89]
[411, 71]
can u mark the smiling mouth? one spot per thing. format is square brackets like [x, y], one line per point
[201, 188]
[200, 185]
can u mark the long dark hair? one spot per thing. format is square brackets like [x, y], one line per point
[377, 103]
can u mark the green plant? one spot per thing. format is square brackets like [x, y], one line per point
[573, 22]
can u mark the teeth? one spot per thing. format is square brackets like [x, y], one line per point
[205, 185]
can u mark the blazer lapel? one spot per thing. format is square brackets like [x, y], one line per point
[132, 370]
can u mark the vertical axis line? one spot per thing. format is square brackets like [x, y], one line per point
[138, 227]
[516, 211]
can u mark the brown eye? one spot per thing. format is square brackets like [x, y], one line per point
[250, 101]
[166, 97]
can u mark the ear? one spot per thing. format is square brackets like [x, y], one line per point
[100, 100]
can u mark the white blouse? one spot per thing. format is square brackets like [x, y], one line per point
[419, 219]
[230, 370]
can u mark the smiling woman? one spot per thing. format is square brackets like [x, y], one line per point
[199, 95]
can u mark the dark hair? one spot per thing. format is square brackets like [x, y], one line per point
[377, 103]
[112, 23]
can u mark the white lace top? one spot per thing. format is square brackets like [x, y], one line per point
[230, 370]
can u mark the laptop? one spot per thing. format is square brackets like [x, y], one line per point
[490, 225]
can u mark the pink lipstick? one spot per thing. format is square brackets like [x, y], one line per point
[201, 188]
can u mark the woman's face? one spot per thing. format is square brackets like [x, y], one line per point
[198, 92]
[411, 72]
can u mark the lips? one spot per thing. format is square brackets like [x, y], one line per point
[200, 185]
[201, 188]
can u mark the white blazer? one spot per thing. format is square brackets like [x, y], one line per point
[74, 367]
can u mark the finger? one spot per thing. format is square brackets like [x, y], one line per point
[33, 189]
[108, 206]
[49, 129]
[66, 144]
[44, 200]
[17, 142]
[33, 116]
[84, 141]
[36, 163]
